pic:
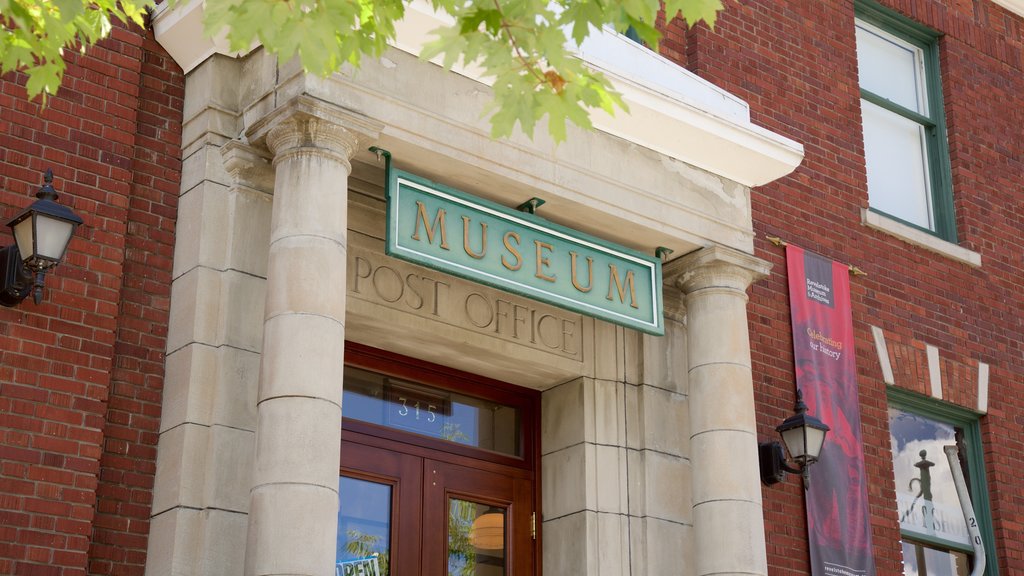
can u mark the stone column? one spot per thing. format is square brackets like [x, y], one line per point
[294, 498]
[727, 514]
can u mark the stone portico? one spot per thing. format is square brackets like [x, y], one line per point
[648, 444]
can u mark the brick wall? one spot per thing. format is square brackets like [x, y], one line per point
[795, 63]
[81, 373]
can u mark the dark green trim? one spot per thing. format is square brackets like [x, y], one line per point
[896, 108]
[969, 421]
[940, 171]
[895, 23]
[937, 542]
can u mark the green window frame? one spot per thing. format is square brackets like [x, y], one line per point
[941, 221]
[969, 423]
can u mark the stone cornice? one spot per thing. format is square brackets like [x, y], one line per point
[672, 111]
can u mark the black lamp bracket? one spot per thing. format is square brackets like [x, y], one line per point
[772, 458]
[16, 279]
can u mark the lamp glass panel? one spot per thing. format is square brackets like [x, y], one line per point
[794, 440]
[53, 236]
[23, 236]
[815, 439]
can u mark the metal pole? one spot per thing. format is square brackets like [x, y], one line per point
[965, 503]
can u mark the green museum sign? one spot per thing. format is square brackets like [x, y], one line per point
[436, 226]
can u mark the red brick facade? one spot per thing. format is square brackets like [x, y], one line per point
[795, 63]
[81, 374]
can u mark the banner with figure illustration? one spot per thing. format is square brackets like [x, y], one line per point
[826, 372]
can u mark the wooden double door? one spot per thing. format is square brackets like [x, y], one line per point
[410, 510]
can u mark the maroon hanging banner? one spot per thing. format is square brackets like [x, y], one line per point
[839, 528]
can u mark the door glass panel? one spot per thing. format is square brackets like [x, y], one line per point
[364, 528]
[476, 539]
[450, 416]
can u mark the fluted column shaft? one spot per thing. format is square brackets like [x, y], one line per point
[294, 498]
[727, 512]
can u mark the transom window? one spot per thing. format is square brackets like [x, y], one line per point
[905, 145]
[936, 540]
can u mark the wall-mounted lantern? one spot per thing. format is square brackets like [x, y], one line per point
[42, 233]
[803, 435]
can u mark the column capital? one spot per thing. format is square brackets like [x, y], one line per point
[715, 267]
[307, 123]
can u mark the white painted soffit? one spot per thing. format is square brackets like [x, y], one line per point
[672, 111]
[1015, 6]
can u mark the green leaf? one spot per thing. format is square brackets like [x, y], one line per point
[693, 11]
[521, 44]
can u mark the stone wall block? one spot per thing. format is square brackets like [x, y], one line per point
[189, 227]
[216, 308]
[587, 544]
[562, 416]
[658, 547]
[194, 309]
[242, 298]
[203, 165]
[661, 421]
[606, 479]
[234, 398]
[181, 461]
[249, 239]
[608, 352]
[203, 467]
[174, 537]
[666, 493]
[612, 544]
[183, 401]
[223, 555]
[664, 358]
[207, 385]
[564, 481]
[604, 403]
[214, 83]
[567, 546]
[230, 469]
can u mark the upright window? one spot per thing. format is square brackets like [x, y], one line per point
[936, 538]
[904, 126]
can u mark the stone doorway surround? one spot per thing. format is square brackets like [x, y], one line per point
[260, 313]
